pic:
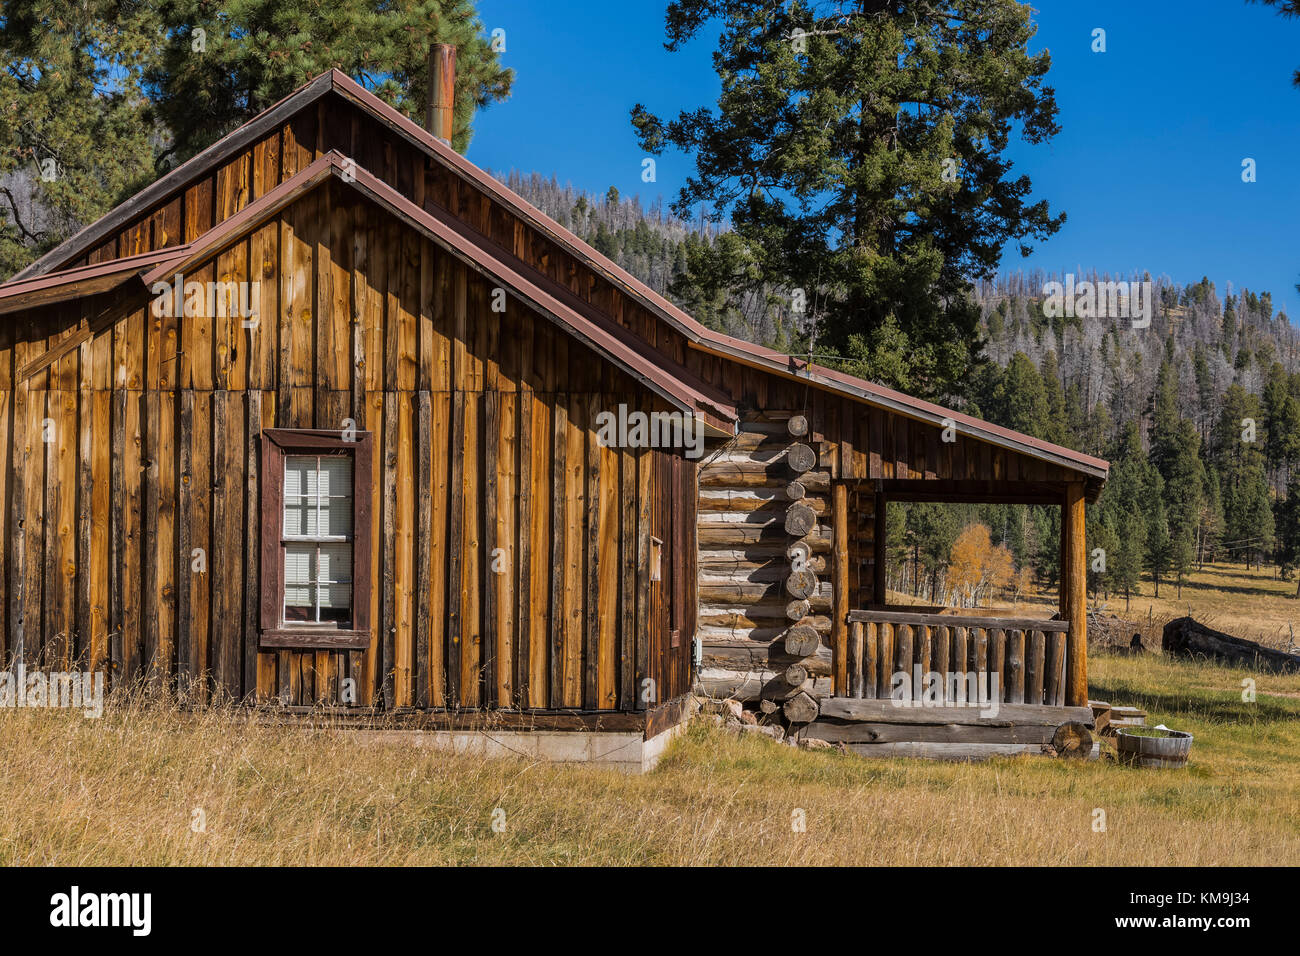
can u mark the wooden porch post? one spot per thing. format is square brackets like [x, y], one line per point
[878, 550]
[840, 586]
[1074, 594]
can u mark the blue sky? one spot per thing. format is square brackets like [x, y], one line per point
[1147, 166]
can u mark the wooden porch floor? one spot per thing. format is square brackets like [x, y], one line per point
[913, 728]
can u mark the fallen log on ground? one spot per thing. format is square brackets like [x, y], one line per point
[1072, 739]
[1185, 637]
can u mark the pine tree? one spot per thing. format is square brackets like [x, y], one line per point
[1045, 525]
[75, 139]
[254, 52]
[1204, 390]
[1102, 535]
[1288, 534]
[1274, 424]
[1158, 544]
[1256, 516]
[1185, 493]
[1126, 565]
[114, 92]
[932, 529]
[1121, 507]
[896, 538]
[859, 154]
[1165, 432]
[1229, 329]
[1288, 9]
[1056, 423]
[1019, 399]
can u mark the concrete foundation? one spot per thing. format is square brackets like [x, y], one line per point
[627, 751]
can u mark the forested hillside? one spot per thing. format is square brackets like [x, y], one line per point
[1198, 411]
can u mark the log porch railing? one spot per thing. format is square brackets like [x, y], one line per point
[1027, 656]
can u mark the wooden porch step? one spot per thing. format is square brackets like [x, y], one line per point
[879, 728]
[1100, 715]
[850, 709]
[951, 751]
[886, 733]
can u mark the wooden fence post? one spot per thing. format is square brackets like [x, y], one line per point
[1075, 593]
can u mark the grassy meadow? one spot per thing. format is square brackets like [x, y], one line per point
[133, 787]
[1255, 604]
[1252, 603]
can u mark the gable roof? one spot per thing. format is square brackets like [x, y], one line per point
[697, 335]
[19, 294]
[667, 379]
[196, 166]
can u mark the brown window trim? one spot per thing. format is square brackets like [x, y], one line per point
[275, 633]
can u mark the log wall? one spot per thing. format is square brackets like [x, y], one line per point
[747, 610]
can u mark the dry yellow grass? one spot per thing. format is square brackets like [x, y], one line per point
[124, 790]
[1255, 604]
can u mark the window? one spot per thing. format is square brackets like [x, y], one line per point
[315, 539]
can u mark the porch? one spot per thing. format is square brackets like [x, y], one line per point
[973, 659]
[954, 683]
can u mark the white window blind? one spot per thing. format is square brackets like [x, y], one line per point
[317, 538]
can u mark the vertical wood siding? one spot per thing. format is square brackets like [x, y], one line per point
[374, 324]
[864, 442]
[508, 553]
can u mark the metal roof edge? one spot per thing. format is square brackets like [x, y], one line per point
[586, 329]
[198, 164]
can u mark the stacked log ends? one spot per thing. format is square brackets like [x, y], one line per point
[801, 584]
[799, 520]
[802, 708]
[797, 610]
[802, 641]
[801, 458]
[762, 548]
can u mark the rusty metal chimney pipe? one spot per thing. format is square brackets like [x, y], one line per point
[442, 91]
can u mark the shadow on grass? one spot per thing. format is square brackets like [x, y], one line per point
[1225, 706]
[1229, 571]
[1219, 588]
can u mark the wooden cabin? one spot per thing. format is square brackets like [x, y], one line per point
[316, 420]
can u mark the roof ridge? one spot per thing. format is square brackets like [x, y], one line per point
[665, 376]
[697, 335]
